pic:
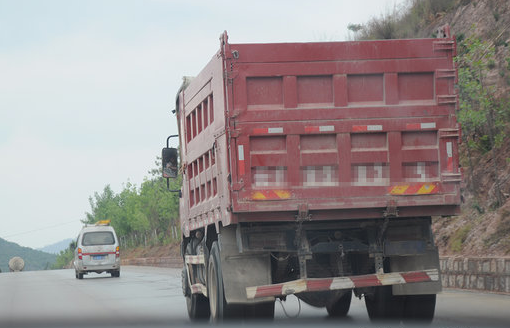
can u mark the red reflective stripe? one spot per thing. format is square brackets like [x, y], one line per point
[260, 131]
[413, 189]
[312, 129]
[240, 150]
[413, 126]
[272, 290]
[318, 285]
[364, 128]
[415, 276]
[358, 128]
[366, 281]
[268, 130]
[272, 195]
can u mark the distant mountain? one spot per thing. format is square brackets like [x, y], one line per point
[56, 247]
[34, 260]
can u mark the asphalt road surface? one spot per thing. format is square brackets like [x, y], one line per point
[152, 297]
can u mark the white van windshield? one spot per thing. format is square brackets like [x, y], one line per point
[98, 238]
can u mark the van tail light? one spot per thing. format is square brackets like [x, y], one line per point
[80, 255]
[117, 251]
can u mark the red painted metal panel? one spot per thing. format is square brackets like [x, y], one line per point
[335, 126]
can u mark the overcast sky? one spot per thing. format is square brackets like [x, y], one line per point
[86, 90]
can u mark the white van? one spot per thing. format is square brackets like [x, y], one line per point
[97, 250]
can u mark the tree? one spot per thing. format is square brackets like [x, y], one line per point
[138, 214]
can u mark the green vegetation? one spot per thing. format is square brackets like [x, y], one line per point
[459, 237]
[483, 115]
[141, 216]
[65, 257]
[34, 260]
[144, 215]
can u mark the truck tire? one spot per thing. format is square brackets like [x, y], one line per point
[261, 311]
[219, 308]
[420, 308]
[197, 304]
[383, 305]
[340, 307]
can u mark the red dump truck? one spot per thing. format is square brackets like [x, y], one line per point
[314, 169]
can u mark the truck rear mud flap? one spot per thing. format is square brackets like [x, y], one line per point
[336, 283]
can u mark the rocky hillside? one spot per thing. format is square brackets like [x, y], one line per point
[482, 29]
[484, 226]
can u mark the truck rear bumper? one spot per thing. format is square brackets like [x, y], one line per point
[336, 283]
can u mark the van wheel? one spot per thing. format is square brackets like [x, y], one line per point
[80, 275]
[115, 274]
[220, 310]
[340, 307]
[197, 304]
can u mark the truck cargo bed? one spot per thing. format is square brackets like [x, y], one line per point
[332, 130]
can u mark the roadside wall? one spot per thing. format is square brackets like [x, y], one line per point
[489, 274]
[165, 262]
[476, 273]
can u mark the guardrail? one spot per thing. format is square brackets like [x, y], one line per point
[490, 274]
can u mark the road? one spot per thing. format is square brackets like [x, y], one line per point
[152, 297]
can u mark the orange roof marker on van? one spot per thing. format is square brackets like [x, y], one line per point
[103, 222]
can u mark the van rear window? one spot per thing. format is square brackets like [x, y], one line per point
[98, 238]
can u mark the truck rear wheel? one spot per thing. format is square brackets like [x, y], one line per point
[198, 307]
[220, 310]
[340, 307]
[384, 305]
[197, 304]
[262, 311]
[420, 308]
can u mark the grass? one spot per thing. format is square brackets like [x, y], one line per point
[459, 237]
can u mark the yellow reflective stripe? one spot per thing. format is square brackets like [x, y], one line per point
[282, 194]
[258, 196]
[399, 190]
[426, 189]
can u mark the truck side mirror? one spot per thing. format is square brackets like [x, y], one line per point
[169, 159]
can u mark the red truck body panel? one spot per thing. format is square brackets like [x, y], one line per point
[334, 130]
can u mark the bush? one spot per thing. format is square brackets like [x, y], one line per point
[459, 237]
